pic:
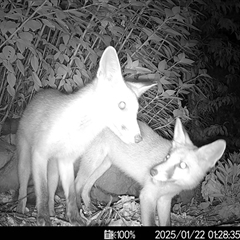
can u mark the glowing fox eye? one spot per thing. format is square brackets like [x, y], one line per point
[122, 105]
[167, 157]
[183, 165]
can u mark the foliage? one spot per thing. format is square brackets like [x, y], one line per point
[44, 46]
[222, 186]
[214, 113]
[222, 31]
[217, 110]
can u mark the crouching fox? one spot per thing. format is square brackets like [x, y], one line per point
[56, 129]
[163, 168]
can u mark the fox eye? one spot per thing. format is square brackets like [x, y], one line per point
[182, 165]
[122, 105]
[166, 158]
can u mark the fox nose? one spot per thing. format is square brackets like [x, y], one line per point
[153, 172]
[138, 138]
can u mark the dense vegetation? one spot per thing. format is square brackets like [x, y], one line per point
[189, 48]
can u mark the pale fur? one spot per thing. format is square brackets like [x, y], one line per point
[154, 154]
[55, 130]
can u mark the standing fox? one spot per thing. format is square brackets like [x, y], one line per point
[163, 168]
[56, 129]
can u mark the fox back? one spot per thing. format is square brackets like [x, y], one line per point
[58, 128]
[154, 163]
[135, 160]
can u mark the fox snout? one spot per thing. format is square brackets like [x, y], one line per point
[129, 135]
[160, 173]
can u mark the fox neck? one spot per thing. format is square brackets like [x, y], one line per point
[89, 108]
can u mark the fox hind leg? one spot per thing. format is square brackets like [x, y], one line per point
[41, 188]
[90, 161]
[67, 177]
[99, 171]
[84, 172]
[24, 172]
[53, 179]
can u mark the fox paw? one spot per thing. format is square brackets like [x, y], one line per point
[21, 208]
[43, 221]
[76, 220]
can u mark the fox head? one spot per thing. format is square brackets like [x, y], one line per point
[186, 165]
[120, 100]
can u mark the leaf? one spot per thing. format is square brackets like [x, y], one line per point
[176, 10]
[204, 205]
[20, 67]
[181, 56]
[66, 38]
[167, 51]
[135, 64]
[61, 58]
[117, 30]
[20, 56]
[26, 36]
[221, 177]
[48, 23]
[129, 62]
[86, 74]
[160, 87]
[164, 81]
[11, 90]
[60, 14]
[8, 52]
[36, 80]
[51, 81]
[62, 70]
[147, 31]
[32, 24]
[79, 63]
[185, 85]
[168, 12]
[9, 26]
[107, 39]
[168, 93]
[66, 57]
[186, 61]
[173, 32]
[156, 38]
[184, 92]
[21, 47]
[11, 79]
[162, 65]
[142, 70]
[181, 19]
[159, 21]
[34, 63]
[62, 26]
[62, 47]
[56, 55]
[68, 87]
[9, 67]
[137, 3]
[78, 79]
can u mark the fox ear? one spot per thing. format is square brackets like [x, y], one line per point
[212, 152]
[109, 65]
[180, 135]
[139, 87]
